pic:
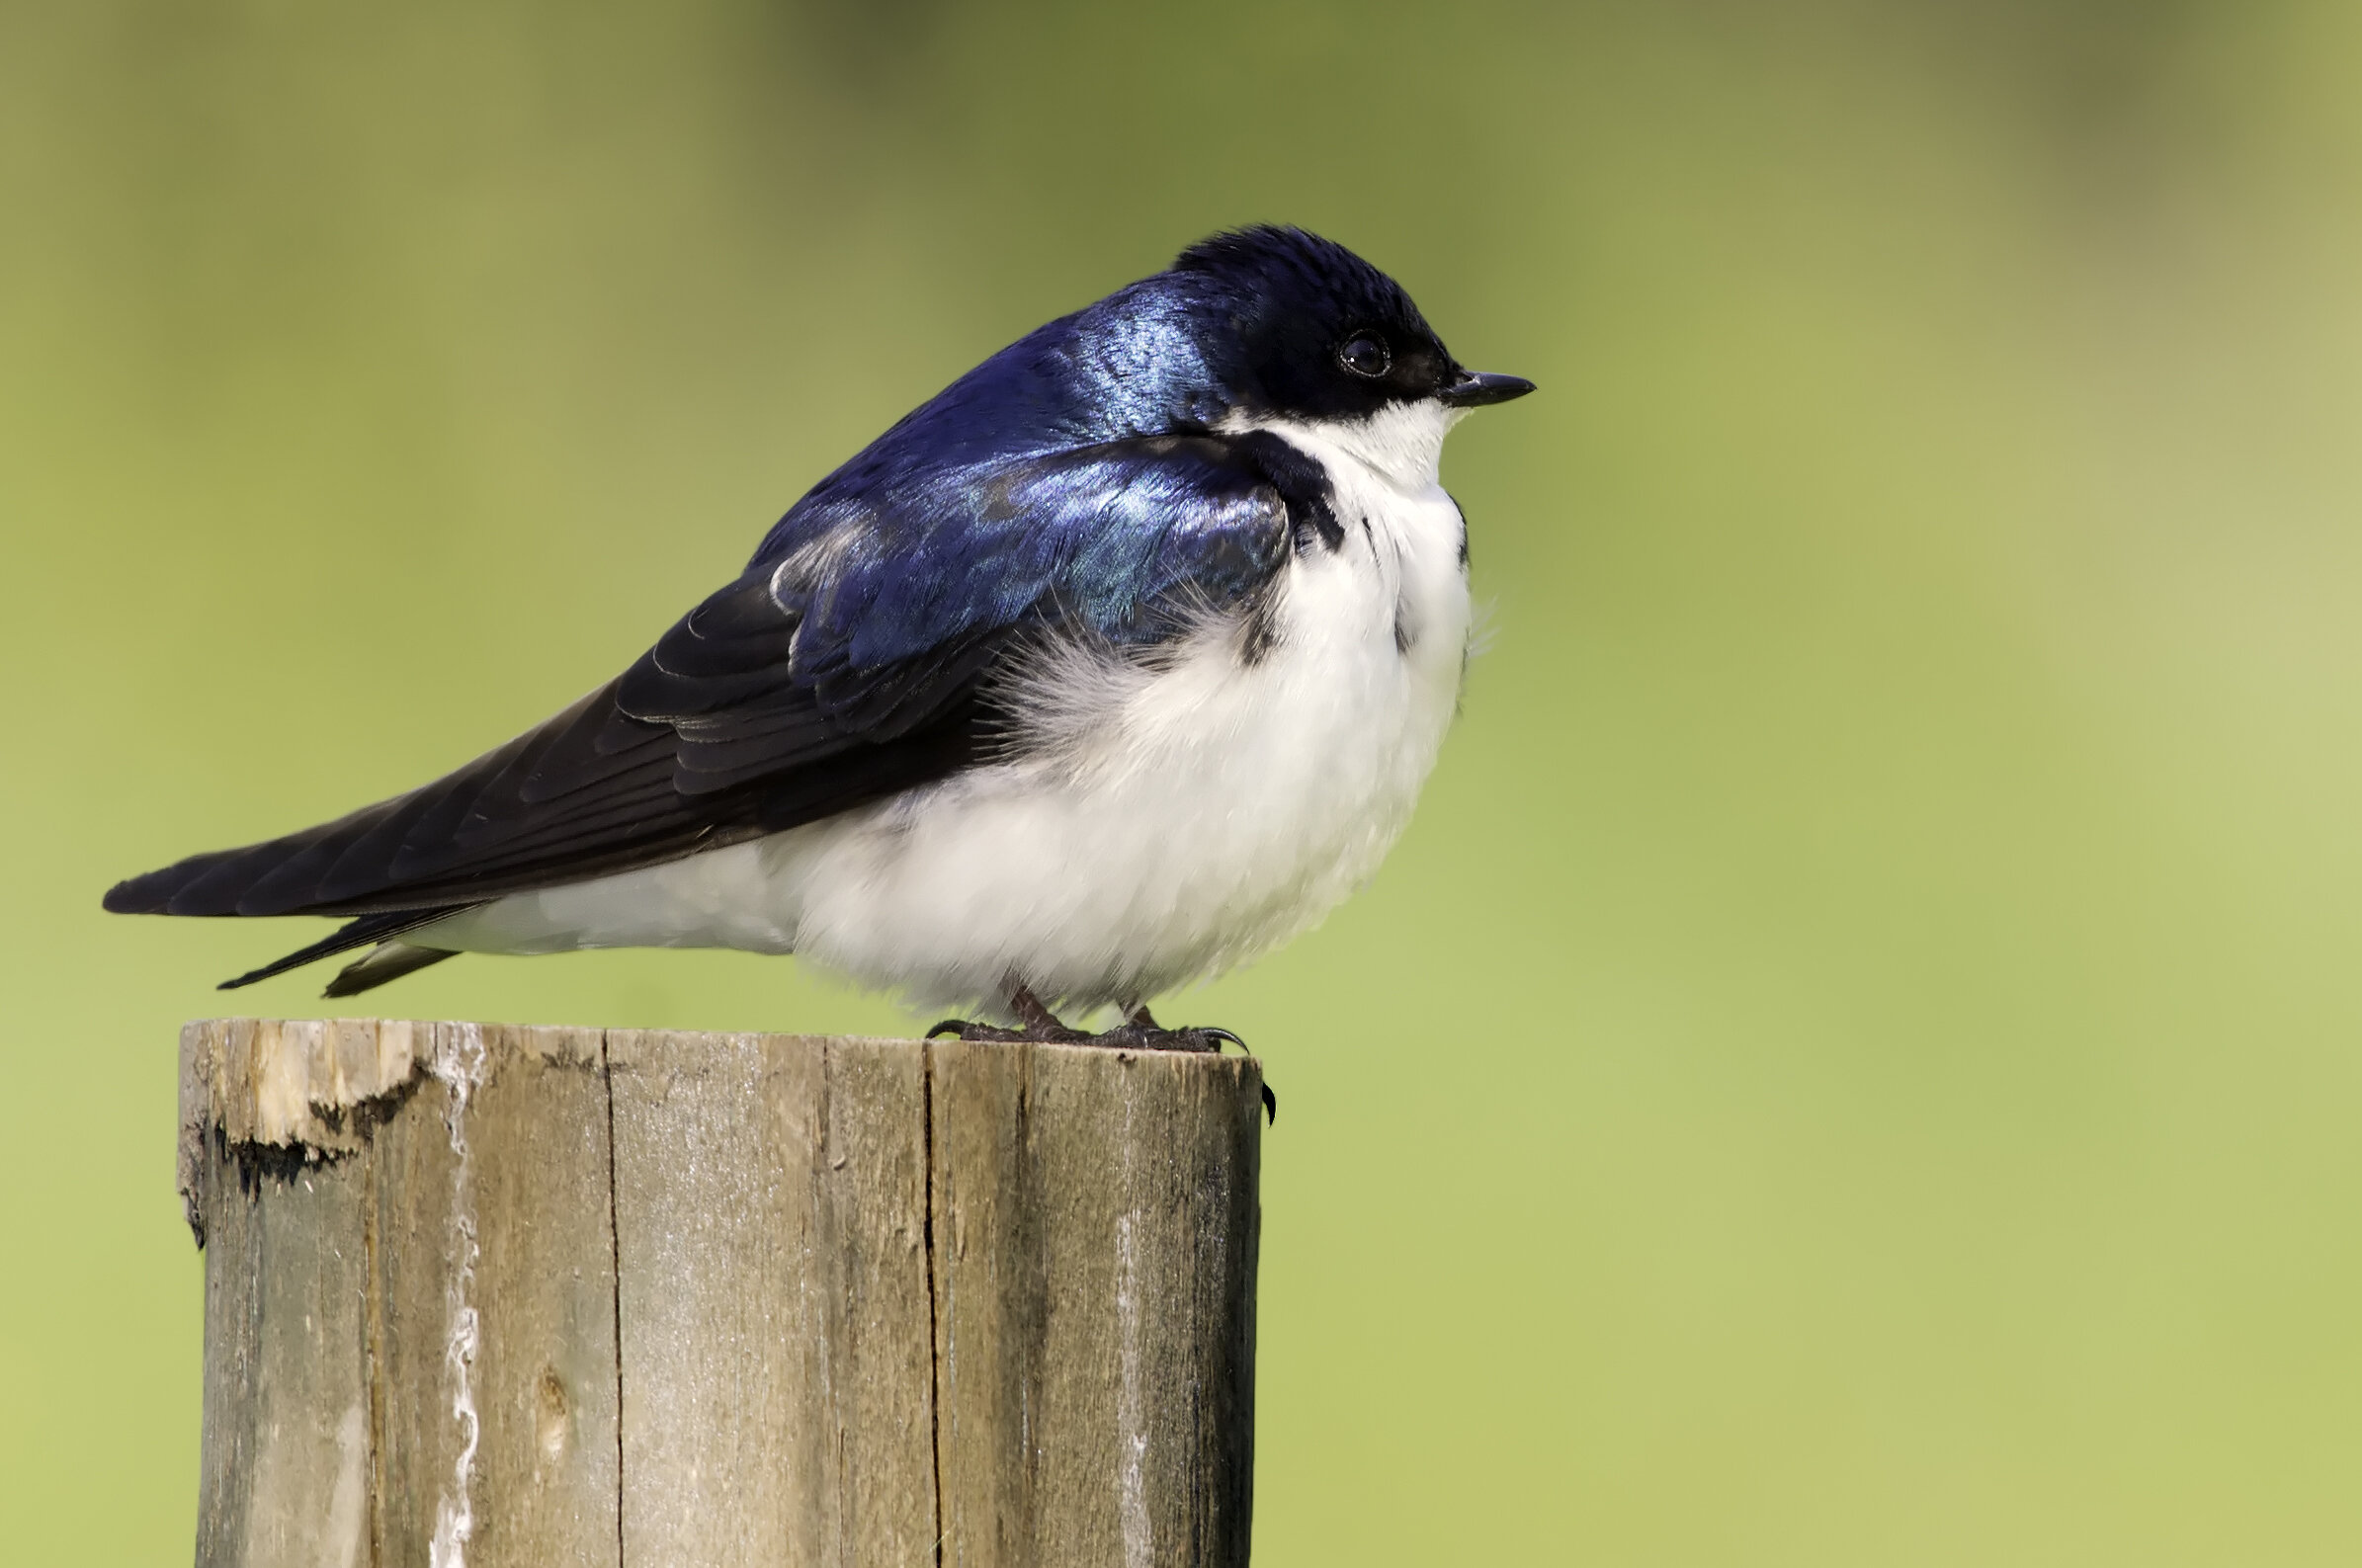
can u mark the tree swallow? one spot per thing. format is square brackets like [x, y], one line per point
[1115, 665]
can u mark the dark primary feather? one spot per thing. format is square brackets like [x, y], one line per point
[850, 662]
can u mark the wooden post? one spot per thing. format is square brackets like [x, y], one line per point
[486, 1295]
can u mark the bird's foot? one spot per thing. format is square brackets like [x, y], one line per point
[1139, 1032]
[1142, 1030]
[969, 1030]
[1036, 1025]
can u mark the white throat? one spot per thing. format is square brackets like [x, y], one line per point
[1401, 443]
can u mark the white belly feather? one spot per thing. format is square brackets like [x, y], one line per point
[1172, 820]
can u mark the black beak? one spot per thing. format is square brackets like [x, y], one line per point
[1476, 388]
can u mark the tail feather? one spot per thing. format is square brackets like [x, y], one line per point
[353, 933]
[387, 962]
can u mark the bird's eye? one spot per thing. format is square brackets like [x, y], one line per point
[1365, 355]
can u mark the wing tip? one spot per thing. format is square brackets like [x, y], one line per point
[124, 899]
[148, 893]
[183, 888]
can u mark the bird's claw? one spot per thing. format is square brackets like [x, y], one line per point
[1138, 1032]
[1125, 1036]
[1137, 1036]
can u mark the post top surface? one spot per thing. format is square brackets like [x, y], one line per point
[298, 1082]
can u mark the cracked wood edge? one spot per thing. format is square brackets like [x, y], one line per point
[299, 1084]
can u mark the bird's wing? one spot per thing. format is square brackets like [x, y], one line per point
[849, 662]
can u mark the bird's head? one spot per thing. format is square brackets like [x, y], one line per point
[1259, 328]
[1298, 328]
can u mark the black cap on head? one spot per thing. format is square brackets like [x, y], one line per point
[1316, 331]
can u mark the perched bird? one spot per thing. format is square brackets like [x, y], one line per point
[1116, 664]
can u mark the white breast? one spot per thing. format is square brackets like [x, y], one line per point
[1172, 819]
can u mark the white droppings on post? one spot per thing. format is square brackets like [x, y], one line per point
[1132, 1419]
[460, 1065]
[1132, 1422]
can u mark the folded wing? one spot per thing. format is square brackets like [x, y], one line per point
[852, 660]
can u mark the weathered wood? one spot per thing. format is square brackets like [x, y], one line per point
[771, 1215]
[493, 1294]
[1096, 1275]
[505, 1296]
[285, 1438]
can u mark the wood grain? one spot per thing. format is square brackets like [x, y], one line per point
[770, 1208]
[1097, 1223]
[493, 1292]
[501, 1296]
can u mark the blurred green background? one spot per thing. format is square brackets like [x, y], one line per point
[1859, 1058]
